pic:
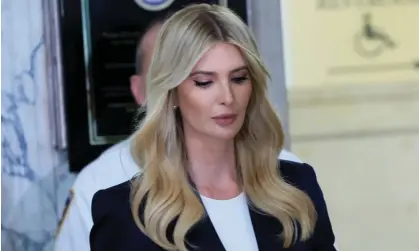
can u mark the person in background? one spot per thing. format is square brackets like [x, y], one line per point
[114, 166]
[208, 150]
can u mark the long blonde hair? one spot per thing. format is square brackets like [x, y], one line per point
[162, 193]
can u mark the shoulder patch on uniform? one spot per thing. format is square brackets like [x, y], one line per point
[67, 205]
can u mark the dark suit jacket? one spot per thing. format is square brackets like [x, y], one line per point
[114, 228]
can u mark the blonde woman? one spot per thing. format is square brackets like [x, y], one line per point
[208, 149]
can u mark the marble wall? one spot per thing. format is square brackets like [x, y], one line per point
[35, 179]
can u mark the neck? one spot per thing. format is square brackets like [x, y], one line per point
[211, 162]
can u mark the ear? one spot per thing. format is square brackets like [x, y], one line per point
[138, 89]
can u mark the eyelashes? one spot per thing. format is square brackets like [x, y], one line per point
[237, 80]
[202, 84]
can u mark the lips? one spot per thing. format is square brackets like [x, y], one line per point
[225, 119]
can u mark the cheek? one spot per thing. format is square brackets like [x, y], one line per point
[244, 95]
[193, 106]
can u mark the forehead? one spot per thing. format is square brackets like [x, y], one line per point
[221, 57]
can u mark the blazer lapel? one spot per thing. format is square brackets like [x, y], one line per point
[267, 230]
[203, 237]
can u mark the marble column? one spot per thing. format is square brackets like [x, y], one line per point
[35, 179]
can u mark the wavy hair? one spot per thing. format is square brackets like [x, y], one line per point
[162, 196]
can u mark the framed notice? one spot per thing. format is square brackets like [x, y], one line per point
[330, 42]
[98, 40]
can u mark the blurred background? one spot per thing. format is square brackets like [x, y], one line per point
[344, 78]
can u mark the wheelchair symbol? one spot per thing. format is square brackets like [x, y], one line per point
[371, 41]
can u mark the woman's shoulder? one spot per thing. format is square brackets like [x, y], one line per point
[295, 171]
[114, 227]
[302, 176]
[114, 198]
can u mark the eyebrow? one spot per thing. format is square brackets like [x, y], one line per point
[211, 73]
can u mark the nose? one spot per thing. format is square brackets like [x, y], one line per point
[226, 93]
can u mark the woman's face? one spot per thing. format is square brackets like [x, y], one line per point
[214, 98]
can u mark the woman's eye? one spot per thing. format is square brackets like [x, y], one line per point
[202, 84]
[239, 80]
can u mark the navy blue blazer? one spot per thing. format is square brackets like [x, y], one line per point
[114, 228]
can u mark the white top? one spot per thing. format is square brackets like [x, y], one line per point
[113, 167]
[231, 220]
